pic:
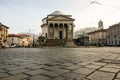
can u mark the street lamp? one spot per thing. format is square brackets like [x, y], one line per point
[33, 43]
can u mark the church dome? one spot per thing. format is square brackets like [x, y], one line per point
[57, 13]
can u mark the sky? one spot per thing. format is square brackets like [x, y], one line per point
[22, 15]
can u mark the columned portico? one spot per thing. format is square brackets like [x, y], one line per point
[60, 31]
[58, 25]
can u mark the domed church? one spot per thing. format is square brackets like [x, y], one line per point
[58, 25]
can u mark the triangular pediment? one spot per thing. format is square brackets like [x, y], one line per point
[61, 18]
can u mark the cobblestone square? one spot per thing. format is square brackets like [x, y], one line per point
[60, 63]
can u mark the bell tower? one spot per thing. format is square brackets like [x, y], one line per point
[100, 25]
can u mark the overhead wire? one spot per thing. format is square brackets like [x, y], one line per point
[117, 9]
[17, 11]
[76, 12]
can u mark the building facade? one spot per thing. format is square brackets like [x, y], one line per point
[58, 25]
[98, 37]
[113, 35]
[27, 40]
[19, 40]
[3, 35]
[14, 40]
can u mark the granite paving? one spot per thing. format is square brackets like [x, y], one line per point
[93, 63]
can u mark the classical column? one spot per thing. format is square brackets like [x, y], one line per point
[72, 27]
[53, 31]
[63, 32]
[58, 32]
[66, 28]
[48, 32]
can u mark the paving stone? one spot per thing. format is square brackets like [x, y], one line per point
[8, 66]
[35, 67]
[86, 79]
[24, 79]
[61, 71]
[15, 68]
[27, 62]
[98, 75]
[55, 73]
[28, 65]
[39, 77]
[3, 75]
[35, 72]
[20, 67]
[66, 64]
[109, 69]
[84, 63]
[85, 71]
[118, 75]
[117, 66]
[93, 66]
[41, 62]
[52, 68]
[98, 63]
[116, 79]
[15, 77]
[51, 62]
[60, 78]
[51, 74]
[73, 76]
[72, 67]
[118, 58]
[1, 70]
[113, 56]
[18, 71]
[110, 61]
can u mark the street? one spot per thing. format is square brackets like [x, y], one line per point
[102, 63]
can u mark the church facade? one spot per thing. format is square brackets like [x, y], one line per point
[98, 37]
[58, 25]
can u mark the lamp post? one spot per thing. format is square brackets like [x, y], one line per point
[33, 42]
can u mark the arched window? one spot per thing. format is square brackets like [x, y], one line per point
[65, 25]
[51, 25]
[46, 35]
[56, 25]
[61, 25]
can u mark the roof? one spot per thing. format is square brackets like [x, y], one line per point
[18, 35]
[100, 21]
[58, 13]
[4, 25]
[12, 35]
[22, 35]
[96, 31]
[115, 25]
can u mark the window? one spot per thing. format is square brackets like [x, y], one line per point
[46, 35]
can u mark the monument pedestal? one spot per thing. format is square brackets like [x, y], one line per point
[70, 43]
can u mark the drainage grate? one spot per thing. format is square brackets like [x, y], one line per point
[109, 61]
